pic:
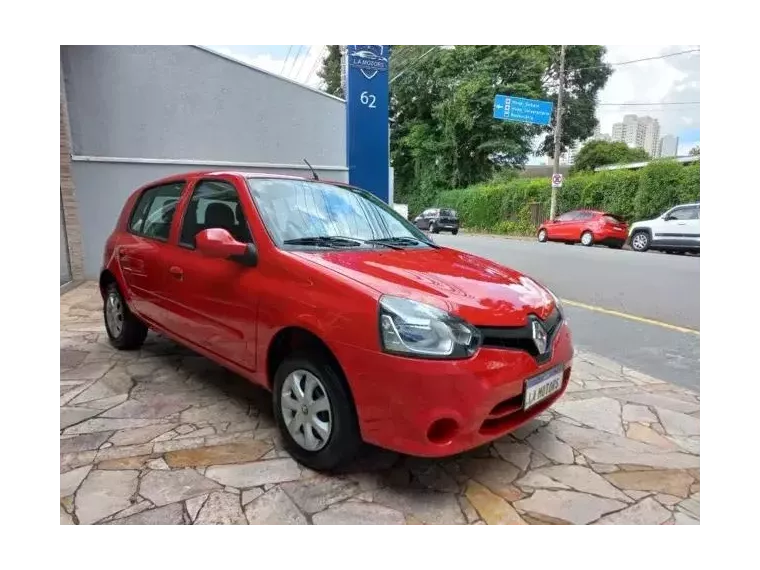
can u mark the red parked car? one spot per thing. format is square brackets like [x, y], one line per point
[362, 328]
[588, 227]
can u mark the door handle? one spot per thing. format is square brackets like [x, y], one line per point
[681, 223]
[176, 272]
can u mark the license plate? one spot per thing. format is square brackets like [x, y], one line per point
[542, 386]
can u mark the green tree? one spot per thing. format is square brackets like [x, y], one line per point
[601, 153]
[694, 151]
[330, 72]
[444, 134]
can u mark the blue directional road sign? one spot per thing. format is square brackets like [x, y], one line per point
[521, 110]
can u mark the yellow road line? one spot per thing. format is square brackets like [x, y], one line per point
[630, 317]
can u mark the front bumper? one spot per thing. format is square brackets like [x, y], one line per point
[436, 408]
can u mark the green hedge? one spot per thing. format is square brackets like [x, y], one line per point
[505, 207]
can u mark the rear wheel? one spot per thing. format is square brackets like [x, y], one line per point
[125, 331]
[542, 237]
[640, 241]
[314, 412]
[587, 239]
[455, 232]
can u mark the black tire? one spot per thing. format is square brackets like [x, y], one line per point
[454, 232]
[433, 228]
[344, 441]
[590, 240]
[640, 241]
[542, 236]
[133, 331]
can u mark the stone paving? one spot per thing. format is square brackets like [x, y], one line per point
[164, 436]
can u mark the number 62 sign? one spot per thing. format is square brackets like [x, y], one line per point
[368, 99]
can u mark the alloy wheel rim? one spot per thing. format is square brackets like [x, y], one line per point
[542, 235]
[639, 241]
[114, 314]
[586, 239]
[306, 410]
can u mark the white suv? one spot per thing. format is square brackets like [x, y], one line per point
[677, 230]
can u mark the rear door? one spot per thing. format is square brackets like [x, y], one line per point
[142, 255]
[579, 224]
[209, 305]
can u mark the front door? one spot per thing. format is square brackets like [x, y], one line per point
[561, 227]
[679, 227]
[209, 305]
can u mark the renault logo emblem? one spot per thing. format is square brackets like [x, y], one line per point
[540, 338]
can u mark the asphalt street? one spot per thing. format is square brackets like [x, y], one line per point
[636, 308]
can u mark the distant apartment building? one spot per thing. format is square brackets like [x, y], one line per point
[638, 132]
[667, 146]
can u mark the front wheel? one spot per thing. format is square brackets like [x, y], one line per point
[542, 237]
[640, 241]
[314, 412]
[125, 331]
[432, 228]
[587, 239]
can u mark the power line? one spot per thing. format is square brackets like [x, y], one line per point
[316, 63]
[305, 57]
[292, 66]
[647, 104]
[284, 63]
[638, 60]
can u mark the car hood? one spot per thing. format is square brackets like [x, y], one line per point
[478, 290]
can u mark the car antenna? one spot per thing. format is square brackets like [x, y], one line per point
[313, 172]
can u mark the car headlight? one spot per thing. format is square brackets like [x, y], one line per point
[415, 329]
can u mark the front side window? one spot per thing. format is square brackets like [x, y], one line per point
[689, 213]
[295, 211]
[567, 217]
[154, 211]
[214, 204]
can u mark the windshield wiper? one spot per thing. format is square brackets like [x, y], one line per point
[399, 241]
[336, 242]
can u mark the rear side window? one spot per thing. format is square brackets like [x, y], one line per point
[154, 211]
[688, 213]
[610, 219]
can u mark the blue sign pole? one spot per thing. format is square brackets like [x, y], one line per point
[367, 136]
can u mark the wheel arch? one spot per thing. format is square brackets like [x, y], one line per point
[294, 338]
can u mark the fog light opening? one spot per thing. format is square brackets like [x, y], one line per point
[442, 431]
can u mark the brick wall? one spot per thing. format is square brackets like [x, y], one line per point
[68, 195]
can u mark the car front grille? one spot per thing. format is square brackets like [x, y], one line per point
[521, 338]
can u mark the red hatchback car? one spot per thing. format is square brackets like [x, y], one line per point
[588, 227]
[361, 327]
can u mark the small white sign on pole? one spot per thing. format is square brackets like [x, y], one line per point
[556, 181]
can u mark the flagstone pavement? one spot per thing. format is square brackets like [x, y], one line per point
[164, 436]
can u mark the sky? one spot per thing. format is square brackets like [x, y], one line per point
[673, 79]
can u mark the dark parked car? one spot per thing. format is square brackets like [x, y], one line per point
[436, 219]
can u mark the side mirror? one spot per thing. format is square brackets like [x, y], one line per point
[219, 243]
[667, 218]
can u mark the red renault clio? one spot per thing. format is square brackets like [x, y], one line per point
[362, 328]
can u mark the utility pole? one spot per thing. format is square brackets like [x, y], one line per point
[558, 130]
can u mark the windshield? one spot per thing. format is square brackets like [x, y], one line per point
[295, 210]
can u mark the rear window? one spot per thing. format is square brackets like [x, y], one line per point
[613, 219]
[449, 213]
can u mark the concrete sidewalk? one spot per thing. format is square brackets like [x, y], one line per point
[164, 436]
